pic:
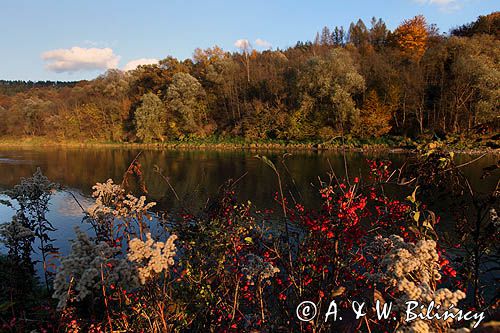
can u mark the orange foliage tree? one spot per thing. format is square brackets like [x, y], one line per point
[411, 36]
[375, 117]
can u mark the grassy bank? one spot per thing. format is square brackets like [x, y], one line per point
[392, 143]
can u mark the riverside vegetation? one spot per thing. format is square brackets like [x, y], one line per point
[356, 86]
[233, 268]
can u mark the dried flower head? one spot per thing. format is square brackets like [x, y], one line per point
[82, 270]
[256, 267]
[411, 271]
[15, 231]
[151, 257]
[112, 206]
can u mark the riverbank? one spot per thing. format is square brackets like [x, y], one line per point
[388, 144]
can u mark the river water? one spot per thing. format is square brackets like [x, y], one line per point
[194, 174]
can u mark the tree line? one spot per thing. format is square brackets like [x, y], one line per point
[363, 81]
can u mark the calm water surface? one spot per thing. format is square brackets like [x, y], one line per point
[195, 175]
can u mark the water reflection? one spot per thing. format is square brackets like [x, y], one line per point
[195, 175]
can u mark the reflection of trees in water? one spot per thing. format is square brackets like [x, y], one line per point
[195, 175]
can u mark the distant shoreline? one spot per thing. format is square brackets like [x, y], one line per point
[39, 142]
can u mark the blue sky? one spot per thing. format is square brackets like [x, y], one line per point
[73, 40]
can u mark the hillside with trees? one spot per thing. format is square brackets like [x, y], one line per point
[363, 81]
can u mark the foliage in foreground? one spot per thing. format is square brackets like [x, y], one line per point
[235, 268]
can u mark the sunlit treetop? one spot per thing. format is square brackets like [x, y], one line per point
[411, 37]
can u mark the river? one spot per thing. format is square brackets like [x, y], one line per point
[195, 176]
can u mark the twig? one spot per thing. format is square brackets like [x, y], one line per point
[334, 175]
[240, 178]
[106, 300]
[367, 325]
[78, 202]
[158, 171]
[289, 173]
[343, 155]
[464, 164]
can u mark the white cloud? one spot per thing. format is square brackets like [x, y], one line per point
[78, 58]
[242, 44]
[443, 5]
[67, 206]
[133, 64]
[263, 43]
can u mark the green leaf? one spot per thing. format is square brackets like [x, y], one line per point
[249, 240]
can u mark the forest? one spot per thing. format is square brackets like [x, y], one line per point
[364, 81]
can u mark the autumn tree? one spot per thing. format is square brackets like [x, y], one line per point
[110, 95]
[203, 58]
[375, 117]
[265, 121]
[30, 113]
[150, 118]
[411, 37]
[5, 105]
[358, 34]
[223, 90]
[485, 24]
[171, 66]
[88, 121]
[147, 78]
[378, 33]
[247, 54]
[208, 55]
[426, 80]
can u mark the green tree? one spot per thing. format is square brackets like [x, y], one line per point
[186, 100]
[150, 118]
[338, 36]
[473, 80]
[327, 87]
